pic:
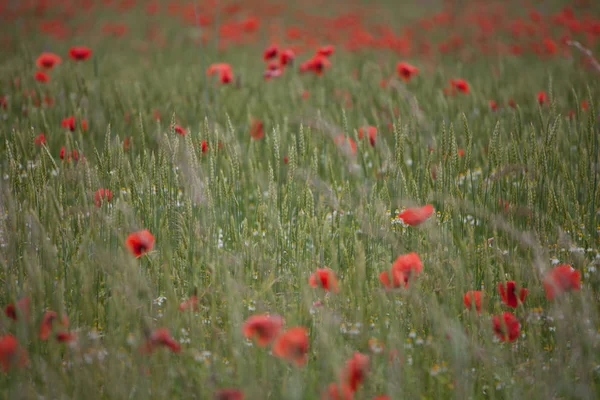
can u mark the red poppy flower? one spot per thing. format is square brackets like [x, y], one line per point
[408, 265]
[217, 68]
[40, 139]
[139, 243]
[342, 140]
[512, 103]
[416, 216]
[3, 102]
[461, 85]
[286, 57]
[160, 337]
[204, 146]
[356, 370]
[229, 394]
[292, 345]
[80, 53]
[180, 130]
[508, 293]
[493, 105]
[84, 125]
[382, 397]
[50, 317]
[316, 64]
[190, 304]
[562, 278]
[335, 391]
[542, 98]
[69, 123]
[264, 328]
[42, 77]
[326, 51]
[11, 353]
[47, 60]
[506, 327]
[270, 52]
[325, 278]
[66, 337]
[256, 130]
[13, 311]
[61, 155]
[584, 105]
[406, 71]
[371, 132]
[102, 196]
[473, 297]
[126, 143]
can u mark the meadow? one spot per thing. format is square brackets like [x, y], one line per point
[320, 200]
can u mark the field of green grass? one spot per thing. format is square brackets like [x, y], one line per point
[327, 200]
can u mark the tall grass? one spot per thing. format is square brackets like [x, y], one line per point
[244, 229]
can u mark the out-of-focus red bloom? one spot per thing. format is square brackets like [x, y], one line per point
[160, 337]
[156, 114]
[356, 370]
[180, 130]
[512, 103]
[66, 337]
[21, 309]
[190, 303]
[382, 397]
[39, 139]
[324, 278]
[584, 105]
[264, 328]
[256, 129]
[3, 102]
[409, 265]
[11, 353]
[317, 64]
[341, 140]
[493, 105]
[47, 60]
[270, 52]
[326, 51]
[542, 98]
[80, 53]
[42, 77]
[506, 326]
[229, 394]
[461, 85]
[102, 196]
[416, 216]
[84, 125]
[204, 146]
[69, 123]
[406, 71]
[561, 279]
[217, 68]
[508, 293]
[226, 76]
[139, 243]
[336, 391]
[126, 143]
[473, 297]
[292, 345]
[371, 132]
[286, 57]
[61, 155]
[250, 24]
[405, 268]
[50, 317]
